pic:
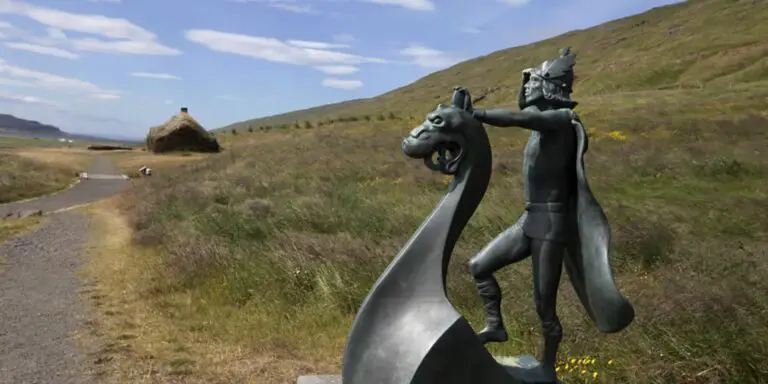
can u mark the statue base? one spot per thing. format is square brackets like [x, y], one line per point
[512, 363]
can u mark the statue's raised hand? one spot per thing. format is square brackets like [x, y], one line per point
[462, 99]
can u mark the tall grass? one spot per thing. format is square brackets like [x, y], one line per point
[22, 178]
[277, 241]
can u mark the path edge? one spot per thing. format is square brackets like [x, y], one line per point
[76, 182]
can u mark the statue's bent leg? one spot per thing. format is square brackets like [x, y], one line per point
[547, 268]
[509, 247]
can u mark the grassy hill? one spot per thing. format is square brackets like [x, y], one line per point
[692, 45]
[256, 259]
[12, 125]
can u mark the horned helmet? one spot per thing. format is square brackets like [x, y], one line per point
[551, 82]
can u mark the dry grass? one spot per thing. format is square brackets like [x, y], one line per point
[144, 346]
[22, 177]
[75, 159]
[129, 162]
[269, 247]
[12, 228]
[254, 261]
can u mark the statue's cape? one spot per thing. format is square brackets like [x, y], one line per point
[587, 261]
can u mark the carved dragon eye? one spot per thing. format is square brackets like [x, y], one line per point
[437, 120]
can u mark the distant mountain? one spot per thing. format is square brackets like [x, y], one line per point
[14, 126]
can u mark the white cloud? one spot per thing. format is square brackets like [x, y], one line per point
[106, 96]
[4, 25]
[43, 50]
[470, 30]
[514, 3]
[161, 76]
[341, 83]
[134, 47]
[15, 83]
[305, 8]
[316, 44]
[95, 24]
[337, 69]
[271, 49]
[414, 5]
[428, 57]
[44, 80]
[56, 34]
[15, 99]
[117, 35]
[169, 102]
[284, 5]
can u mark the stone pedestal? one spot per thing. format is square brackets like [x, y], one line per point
[524, 361]
[320, 379]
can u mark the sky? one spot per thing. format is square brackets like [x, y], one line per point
[116, 67]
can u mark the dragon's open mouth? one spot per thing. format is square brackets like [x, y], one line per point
[438, 155]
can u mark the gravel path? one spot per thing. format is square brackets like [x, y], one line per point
[84, 192]
[39, 305]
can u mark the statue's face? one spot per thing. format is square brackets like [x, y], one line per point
[534, 88]
[441, 131]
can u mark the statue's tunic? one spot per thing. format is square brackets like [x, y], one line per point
[550, 182]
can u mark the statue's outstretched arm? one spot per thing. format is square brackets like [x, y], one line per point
[537, 121]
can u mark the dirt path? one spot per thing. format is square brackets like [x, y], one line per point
[39, 305]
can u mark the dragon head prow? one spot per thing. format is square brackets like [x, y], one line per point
[445, 133]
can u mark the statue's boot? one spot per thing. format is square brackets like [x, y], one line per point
[553, 335]
[494, 330]
[544, 372]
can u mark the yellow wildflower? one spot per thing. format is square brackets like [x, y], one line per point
[610, 362]
[594, 375]
[617, 135]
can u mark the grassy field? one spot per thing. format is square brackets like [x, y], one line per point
[33, 167]
[22, 178]
[129, 162]
[248, 266]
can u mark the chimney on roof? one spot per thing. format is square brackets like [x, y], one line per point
[184, 110]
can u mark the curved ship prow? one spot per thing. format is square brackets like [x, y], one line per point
[407, 331]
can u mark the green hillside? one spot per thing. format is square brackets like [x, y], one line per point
[692, 45]
[268, 248]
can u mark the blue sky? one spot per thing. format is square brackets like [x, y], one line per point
[116, 67]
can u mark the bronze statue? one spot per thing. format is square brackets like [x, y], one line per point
[407, 331]
[562, 224]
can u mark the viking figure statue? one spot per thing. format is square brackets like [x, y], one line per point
[563, 224]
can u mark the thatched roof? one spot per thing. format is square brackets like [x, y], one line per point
[181, 133]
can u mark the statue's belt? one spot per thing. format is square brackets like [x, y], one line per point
[555, 207]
